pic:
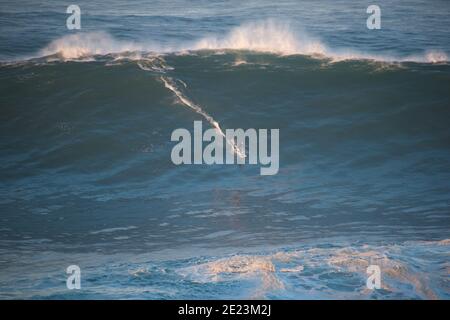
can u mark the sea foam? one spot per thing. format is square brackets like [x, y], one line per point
[264, 36]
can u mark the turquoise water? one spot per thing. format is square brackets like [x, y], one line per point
[87, 179]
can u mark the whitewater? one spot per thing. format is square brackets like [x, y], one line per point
[262, 36]
[86, 176]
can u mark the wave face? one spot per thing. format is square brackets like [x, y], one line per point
[364, 159]
[86, 176]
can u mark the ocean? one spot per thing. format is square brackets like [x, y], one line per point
[86, 178]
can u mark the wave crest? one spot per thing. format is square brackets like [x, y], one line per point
[263, 36]
[82, 45]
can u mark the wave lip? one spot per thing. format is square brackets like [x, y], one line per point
[263, 36]
[82, 45]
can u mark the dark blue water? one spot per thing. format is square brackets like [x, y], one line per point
[87, 179]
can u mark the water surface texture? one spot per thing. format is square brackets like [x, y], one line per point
[86, 176]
